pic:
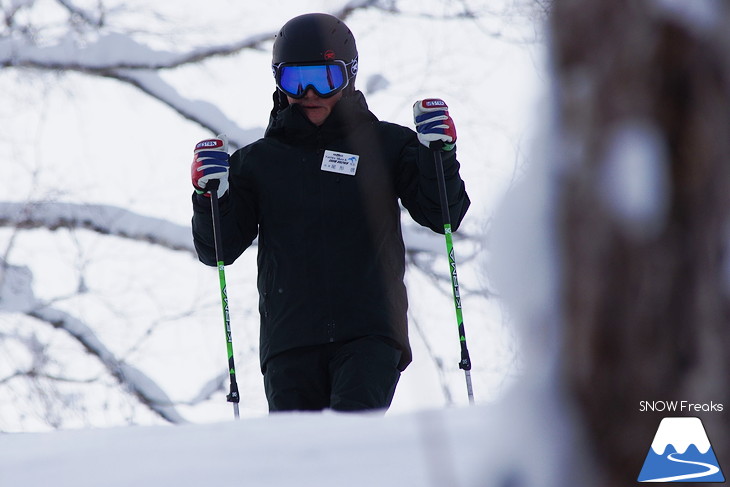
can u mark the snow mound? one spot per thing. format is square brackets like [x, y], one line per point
[458, 447]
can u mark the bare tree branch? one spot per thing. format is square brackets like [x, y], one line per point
[84, 15]
[438, 361]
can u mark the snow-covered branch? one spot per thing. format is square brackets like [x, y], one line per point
[118, 222]
[137, 382]
[103, 219]
[112, 52]
[212, 386]
[17, 295]
[118, 56]
[115, 51]
[205, 114]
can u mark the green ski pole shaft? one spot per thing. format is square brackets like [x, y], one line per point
[233, 395]
[465, 363]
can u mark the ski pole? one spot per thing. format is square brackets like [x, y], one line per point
[465, 363]
[212, 188]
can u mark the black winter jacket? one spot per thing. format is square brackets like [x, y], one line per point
[331, 258]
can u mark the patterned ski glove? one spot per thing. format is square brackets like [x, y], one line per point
[434, 125]
[210, 162]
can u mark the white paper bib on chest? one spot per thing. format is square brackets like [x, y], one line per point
[340, 162]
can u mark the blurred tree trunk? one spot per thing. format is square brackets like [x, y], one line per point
[643, 105]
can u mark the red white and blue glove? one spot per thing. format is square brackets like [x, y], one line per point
[210, 162]
[434, 125]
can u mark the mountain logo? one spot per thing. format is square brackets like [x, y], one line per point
[681, 452]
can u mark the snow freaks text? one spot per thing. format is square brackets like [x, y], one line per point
[679, 406]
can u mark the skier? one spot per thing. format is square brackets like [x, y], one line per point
[321, 192]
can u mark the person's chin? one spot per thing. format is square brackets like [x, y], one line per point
[316, 115]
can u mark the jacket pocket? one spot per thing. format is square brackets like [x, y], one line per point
[267, 286]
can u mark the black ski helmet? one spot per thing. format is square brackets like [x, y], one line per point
[316, 37]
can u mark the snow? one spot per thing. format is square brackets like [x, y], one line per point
[461, 447]
[524, 260]
[681, 433]
[16, 289]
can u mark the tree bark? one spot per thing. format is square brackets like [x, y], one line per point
[644, 94]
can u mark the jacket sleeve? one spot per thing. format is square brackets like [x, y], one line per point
[418, 185]
[238, 213]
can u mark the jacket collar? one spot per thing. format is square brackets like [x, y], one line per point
[292, 126]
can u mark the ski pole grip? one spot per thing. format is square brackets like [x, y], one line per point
[212, 186]
[436, 146]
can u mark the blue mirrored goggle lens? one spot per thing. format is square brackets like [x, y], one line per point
[326, 79]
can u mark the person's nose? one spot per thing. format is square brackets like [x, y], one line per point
[309, 93]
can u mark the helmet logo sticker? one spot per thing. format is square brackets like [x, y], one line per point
[329, 55]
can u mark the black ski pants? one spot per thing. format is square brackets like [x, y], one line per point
[352, 376]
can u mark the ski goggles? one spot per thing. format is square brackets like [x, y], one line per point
[325, 78]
